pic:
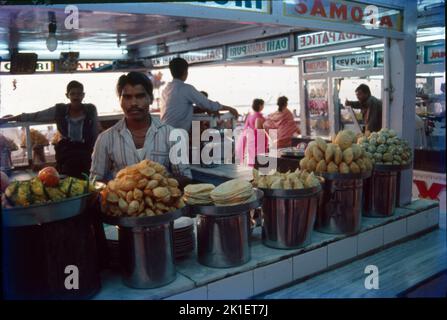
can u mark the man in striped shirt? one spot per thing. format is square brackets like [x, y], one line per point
[137, 136]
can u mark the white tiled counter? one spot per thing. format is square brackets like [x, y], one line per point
[272, 268]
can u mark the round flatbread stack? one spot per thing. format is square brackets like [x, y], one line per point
[232, 193]
[198, 194]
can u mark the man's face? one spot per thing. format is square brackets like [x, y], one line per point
[135, 102]
[76, 95]
[361, 96]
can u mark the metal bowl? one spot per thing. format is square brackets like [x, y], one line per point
[131, 222]
[39, 214]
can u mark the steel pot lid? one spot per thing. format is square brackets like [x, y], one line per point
[131, 222]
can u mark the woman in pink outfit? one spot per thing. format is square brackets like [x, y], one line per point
[283, 121]
[253, 139]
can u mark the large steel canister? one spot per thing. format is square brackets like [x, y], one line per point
[340, 205]
[288, 221]
[223, 242]
[379, 194]
[146, 251]
[147, 256]
[223, 233]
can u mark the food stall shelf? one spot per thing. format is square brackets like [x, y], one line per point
[261, 273]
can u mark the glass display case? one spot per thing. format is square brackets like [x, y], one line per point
[316, 106]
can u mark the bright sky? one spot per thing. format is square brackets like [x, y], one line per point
[234, 86]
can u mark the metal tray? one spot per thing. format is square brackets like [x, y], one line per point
[292, 154]
[131, 222]
[346, 176]
[221, 211]
[39, 214]
[292, 193]
[392, 167]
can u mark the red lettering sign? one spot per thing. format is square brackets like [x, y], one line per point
[386, 21]
[432, 193]
[340, 12]
[318, 9]
[301, 8]
[357, 14]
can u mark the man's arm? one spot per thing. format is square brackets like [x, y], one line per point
[231, 110]
[47, 115]
[353, 104]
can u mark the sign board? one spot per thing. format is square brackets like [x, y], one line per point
[353, 61]
[207, 55]
[48, 66]
[265, 47]
[379, 58]
[163, 61]
[326, 38]
[315, 65]
[345, 12]
[42, 66]
[434, 53]
[430, 185]
[260, 6]
[431, 53]
[90, 65]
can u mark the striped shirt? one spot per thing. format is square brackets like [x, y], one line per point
[115, 149]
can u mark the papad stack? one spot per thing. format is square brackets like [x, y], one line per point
[233, 192]
[198, 194]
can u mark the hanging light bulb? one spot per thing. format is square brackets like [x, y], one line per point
[51, 39]
[51, 42]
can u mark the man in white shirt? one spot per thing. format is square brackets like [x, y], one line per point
[137, 136]
[178, 98]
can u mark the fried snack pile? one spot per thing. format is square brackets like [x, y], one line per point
[233, 192]
[198, 194]
[341, 156]
[287, 181]
[37, 139]
[384, 147]
[26, 193]
[141, 190]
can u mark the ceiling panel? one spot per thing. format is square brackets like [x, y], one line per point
[26, 28]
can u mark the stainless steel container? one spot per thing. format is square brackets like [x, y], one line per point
[340, 204]
[289, 217]
[147, 256]
[223, 233]
[222, 242]
[146, 249]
